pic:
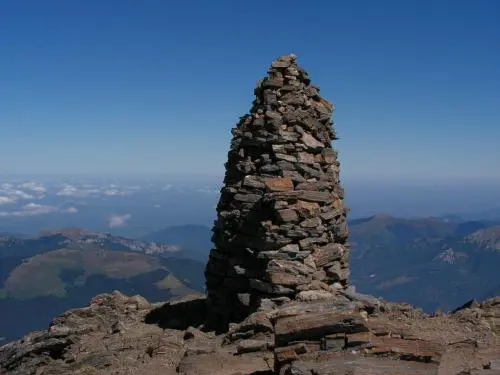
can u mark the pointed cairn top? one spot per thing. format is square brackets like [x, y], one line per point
[287, 90]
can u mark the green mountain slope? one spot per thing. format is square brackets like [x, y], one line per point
[42, 277]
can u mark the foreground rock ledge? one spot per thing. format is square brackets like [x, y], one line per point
[350, 334]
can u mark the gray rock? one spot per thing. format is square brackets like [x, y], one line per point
[311, 142]
[248, 346]
[287, 215]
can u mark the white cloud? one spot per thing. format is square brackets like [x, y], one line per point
[33, 186]
[116, 221]
[6, 200]
[167, 187]
[35, 209]
[6, 186]
[21, 194]
[30, 209]
[68, 191]
[87, 191]
[11, 193]
[113, 192]
[38, 209]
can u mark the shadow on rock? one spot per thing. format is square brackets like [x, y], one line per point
[179, 314]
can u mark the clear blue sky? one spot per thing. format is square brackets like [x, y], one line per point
[154, 86]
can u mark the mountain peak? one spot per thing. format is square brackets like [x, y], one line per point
[487, 237]
[66, 232]
[383, 217]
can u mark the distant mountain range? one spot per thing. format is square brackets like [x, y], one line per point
[432, 263]
[42, 276]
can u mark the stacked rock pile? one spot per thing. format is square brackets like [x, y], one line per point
[281, 228]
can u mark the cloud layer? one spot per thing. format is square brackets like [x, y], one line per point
[35, 209]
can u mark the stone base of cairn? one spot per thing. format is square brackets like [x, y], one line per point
[281, 228]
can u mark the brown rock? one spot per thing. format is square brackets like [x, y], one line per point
[306, 158]
[307, 209]
[327, 254]
[318, 324]
[316, 196]
[253, 182]
[329, 156]
[278, 184]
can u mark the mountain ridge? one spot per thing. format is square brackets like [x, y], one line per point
[45, 274]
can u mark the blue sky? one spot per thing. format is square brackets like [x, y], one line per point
[155, 86]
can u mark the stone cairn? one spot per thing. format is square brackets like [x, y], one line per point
[281, 228]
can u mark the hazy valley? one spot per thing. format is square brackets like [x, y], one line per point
[432, 263]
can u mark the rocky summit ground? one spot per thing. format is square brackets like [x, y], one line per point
[348, 334]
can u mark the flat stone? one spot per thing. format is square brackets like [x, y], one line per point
[294, 176]
[287, 279]
[307, 209]
[287, 215]
[249, 346]
[327, 254]
[290, 248]
[278, 184]
[297, 233]
[314, 295]
[311, 223]
[253, 182]
[270, 288]
[279, 205]
[332, 214]
[291, 267]
[309, 171]
[286, 165]
[288, 136]
[250, 198]
[311, 142]
[314, 325]
[279, 255]
[273, 115]
[306, 158]
[337, 272]
[308, 242]
[316, 196]
[278, 148]
[280, 64]
[273, 83]
[289, 158]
